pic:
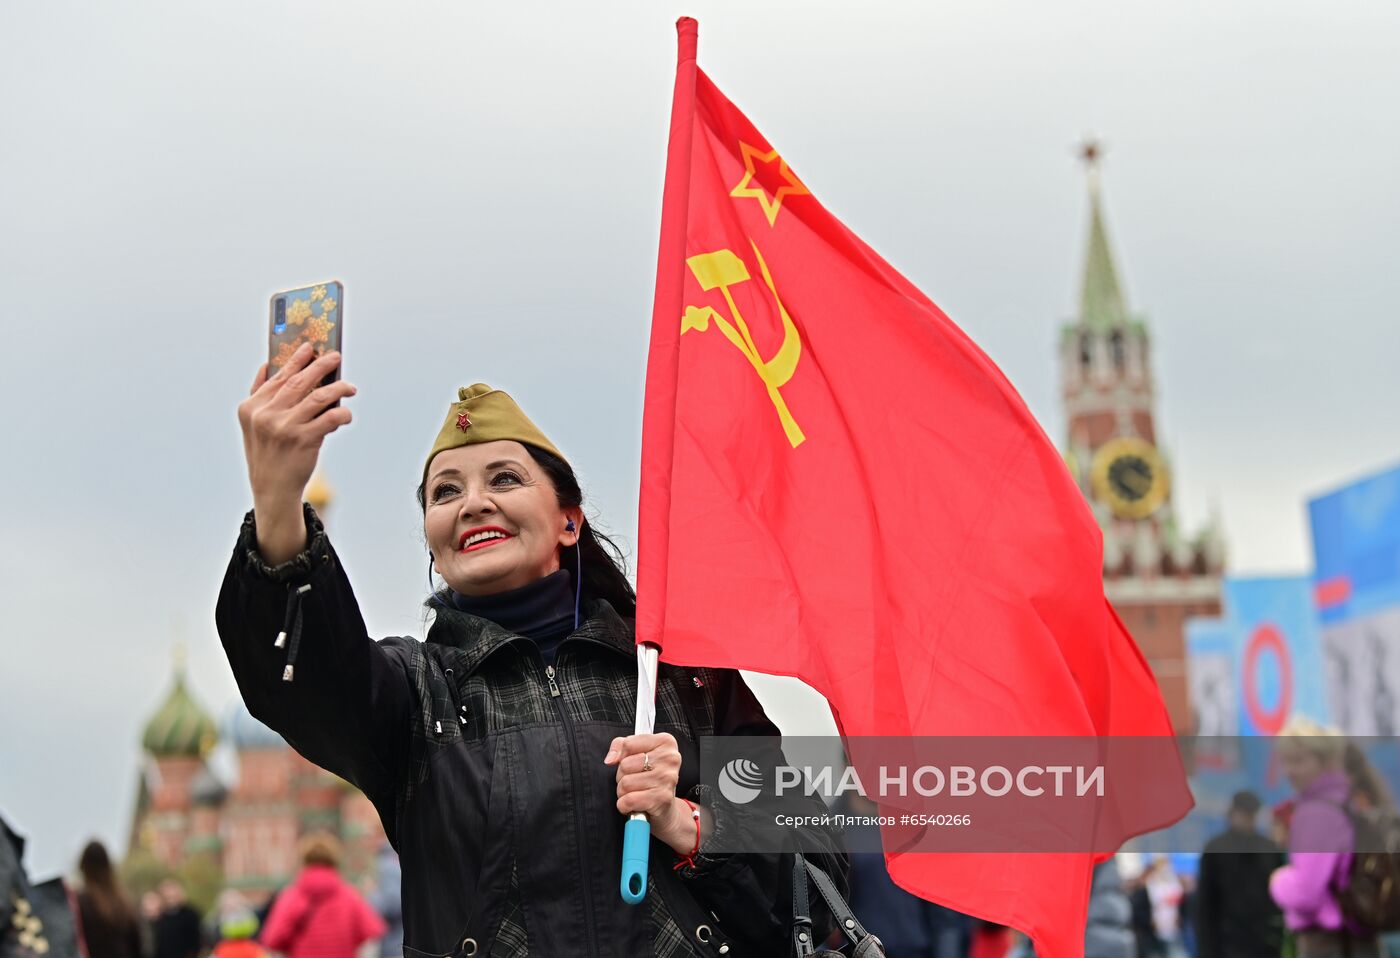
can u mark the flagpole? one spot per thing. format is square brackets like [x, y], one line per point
[636, 834]
[658, 432]
[663, 355]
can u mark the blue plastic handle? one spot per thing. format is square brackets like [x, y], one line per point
[636, 850]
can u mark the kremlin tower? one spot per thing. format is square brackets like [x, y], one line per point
[1154, 574]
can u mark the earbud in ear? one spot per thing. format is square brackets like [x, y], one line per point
[570, 527]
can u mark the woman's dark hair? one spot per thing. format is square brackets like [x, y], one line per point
[604, 566]
[100, 883]
[1368, 788]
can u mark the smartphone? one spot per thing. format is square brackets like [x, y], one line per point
[311, 314]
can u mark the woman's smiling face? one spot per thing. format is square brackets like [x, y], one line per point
[492, 518]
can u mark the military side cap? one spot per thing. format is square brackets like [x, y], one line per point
[483, 414]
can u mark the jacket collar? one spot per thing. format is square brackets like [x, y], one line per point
[477, 638]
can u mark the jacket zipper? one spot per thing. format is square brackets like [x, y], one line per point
[575, 780]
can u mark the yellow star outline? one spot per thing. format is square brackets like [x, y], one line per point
[771, 207]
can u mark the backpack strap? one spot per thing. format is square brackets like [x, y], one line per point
[299, 926]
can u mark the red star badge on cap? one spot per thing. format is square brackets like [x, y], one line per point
[463, 422]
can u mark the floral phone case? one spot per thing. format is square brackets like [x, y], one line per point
[312, 314]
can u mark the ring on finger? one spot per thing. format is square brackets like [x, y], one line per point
[646, 761]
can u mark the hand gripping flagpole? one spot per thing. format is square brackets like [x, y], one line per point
[636, 834]
[658, 433]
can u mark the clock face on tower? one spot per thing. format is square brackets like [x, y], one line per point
[1129, 474]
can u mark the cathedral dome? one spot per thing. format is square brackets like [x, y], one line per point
[245, 733]
[180, 726]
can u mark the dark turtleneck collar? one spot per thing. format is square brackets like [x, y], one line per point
[542, 610]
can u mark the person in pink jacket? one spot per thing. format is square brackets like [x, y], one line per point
[319, 915]
[1320, 843]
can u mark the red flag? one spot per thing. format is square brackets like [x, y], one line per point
[838, 485]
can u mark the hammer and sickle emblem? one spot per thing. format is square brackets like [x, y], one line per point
[721, 270]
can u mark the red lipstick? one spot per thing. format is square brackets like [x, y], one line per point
[502, 536]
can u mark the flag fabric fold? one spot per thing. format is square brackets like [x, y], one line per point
[839, 485]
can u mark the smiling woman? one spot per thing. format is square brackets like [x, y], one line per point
[492, 522]
[499, 752]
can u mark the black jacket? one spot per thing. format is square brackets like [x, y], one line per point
[488, 773]
[1235, 916]
[33, 918]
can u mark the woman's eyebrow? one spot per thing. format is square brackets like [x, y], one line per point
[504, 462]
[444, 472]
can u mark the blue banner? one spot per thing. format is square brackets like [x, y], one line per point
[1356, 540]
[1280, 653]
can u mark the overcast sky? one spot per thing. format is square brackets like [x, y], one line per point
[485, 179]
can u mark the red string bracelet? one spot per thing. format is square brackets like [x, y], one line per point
[690, 859]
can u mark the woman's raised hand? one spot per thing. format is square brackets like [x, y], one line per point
[284, 420]
[648, 771]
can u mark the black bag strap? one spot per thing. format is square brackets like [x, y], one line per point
[801, 908]
[846, 920]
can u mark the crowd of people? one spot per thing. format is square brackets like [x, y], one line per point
[317, 915]
[1261, 889]
[1280, 887]
[1274, 888]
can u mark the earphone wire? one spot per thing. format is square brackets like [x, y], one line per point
[578, 572]
[432, 589]
[578, 586]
